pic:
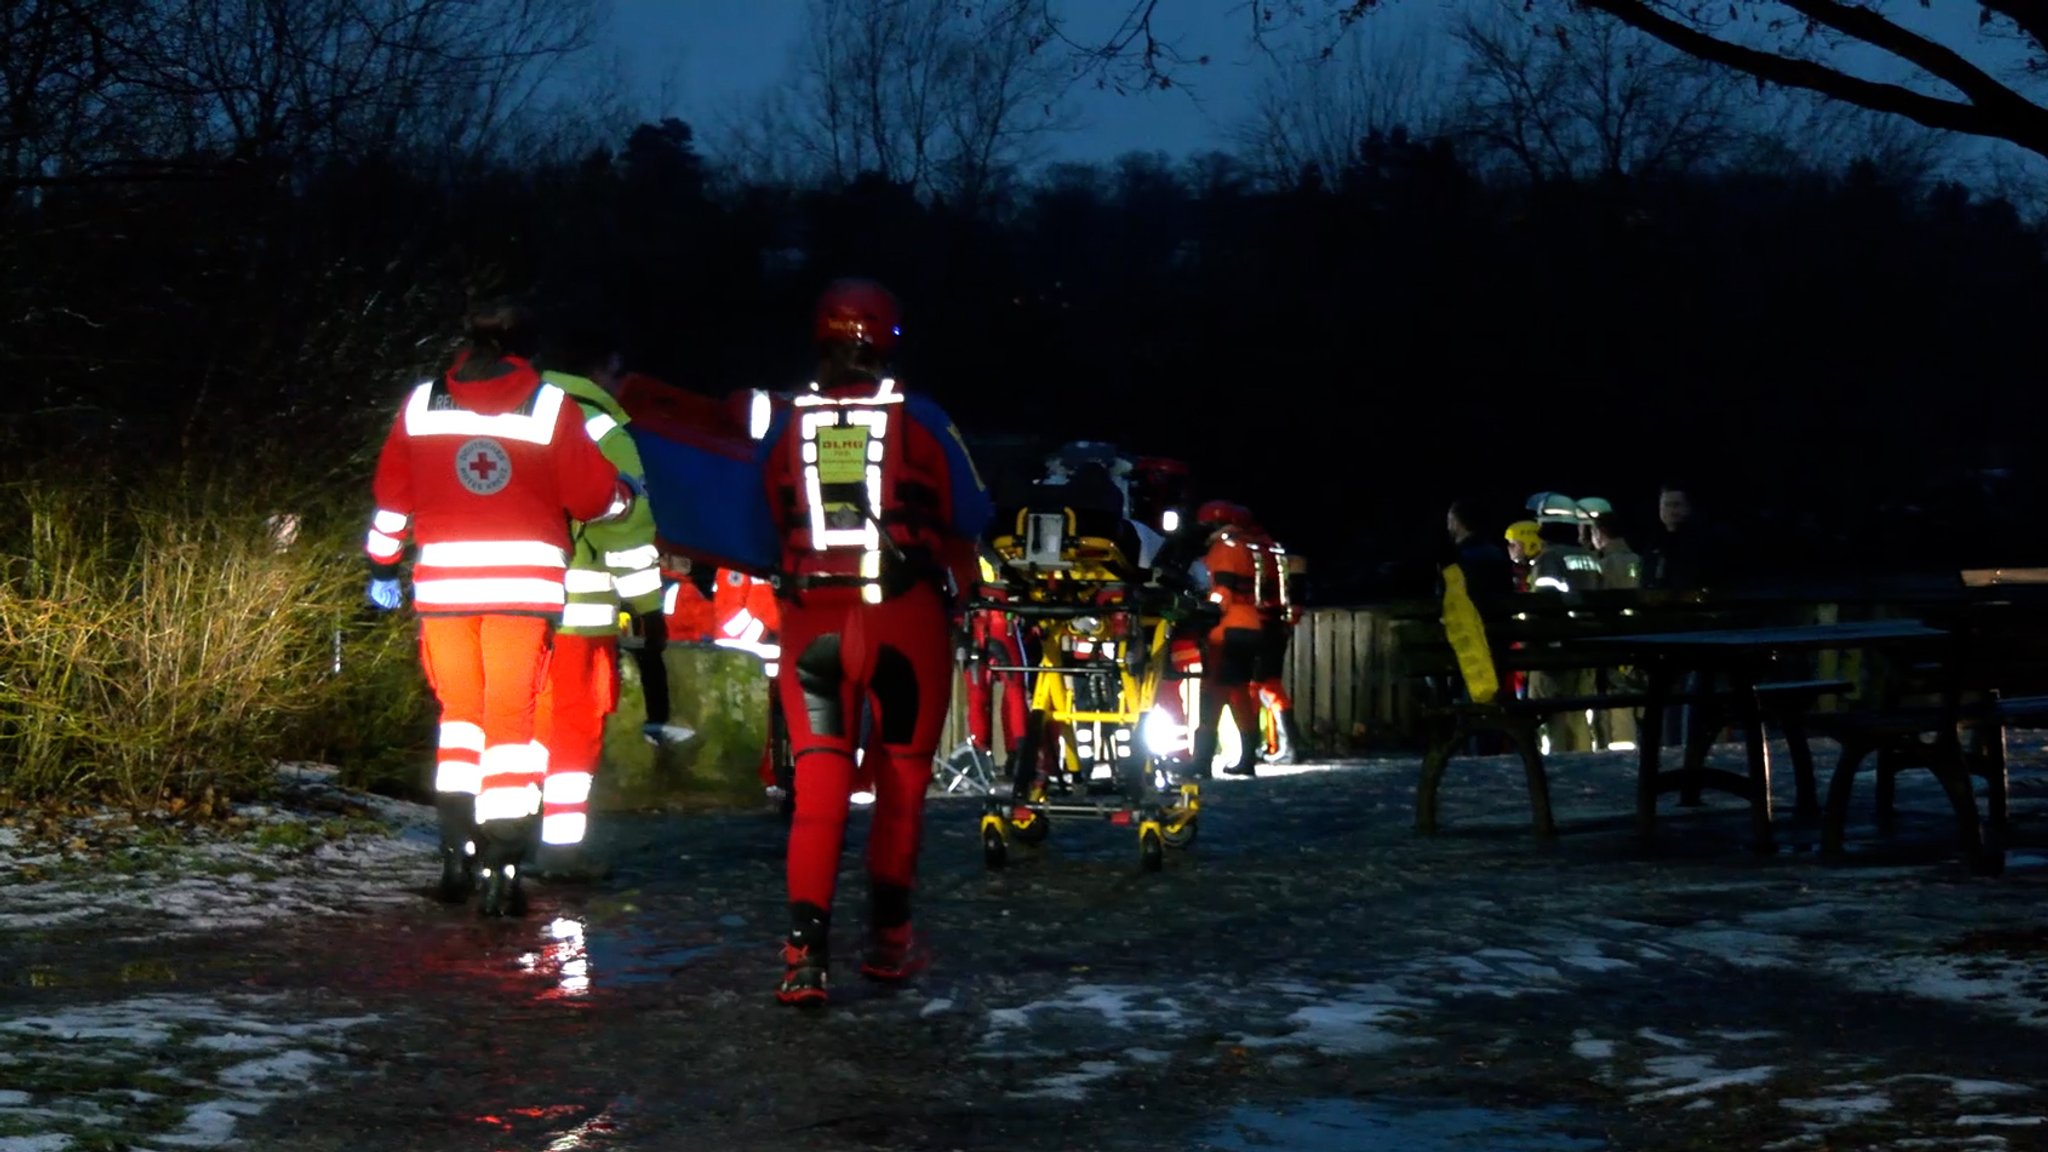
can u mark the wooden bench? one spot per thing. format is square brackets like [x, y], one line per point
[1950, 717]
[1544, 631]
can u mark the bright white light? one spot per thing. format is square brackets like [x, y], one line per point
[863, 799]
[1161, 735]
[1169, 521]
[760, 415]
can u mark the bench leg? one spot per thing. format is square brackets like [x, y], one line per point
[1991, 763]
[1805, 809]
[1841, 789]
[1528, 745]
[1954, 774]
[1650, 752]
[1443, 745]
[1703, 722]
[1887, 788]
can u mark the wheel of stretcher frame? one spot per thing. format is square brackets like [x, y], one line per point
[1151, 850]
[1033, 831]
[994, 853]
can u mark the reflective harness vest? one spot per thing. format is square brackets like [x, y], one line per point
[614, 563]
[483, 496]
[859, 519]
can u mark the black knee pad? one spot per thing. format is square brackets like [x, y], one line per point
[820, 675]
[895, 689]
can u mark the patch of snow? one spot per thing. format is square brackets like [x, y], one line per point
[1588, 1048]
[2002, 1121]
[281, 1058]
[50, 1142]
[1072, 1085]
[2002, 985]
[12, 1099]
[1656, 1037]
[1691, 1075]
[935, 1007]
[1735, 946]
[1839, 1109]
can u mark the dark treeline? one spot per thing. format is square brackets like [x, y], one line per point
[1345, 343]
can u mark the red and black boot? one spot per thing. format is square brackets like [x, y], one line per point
[893, 953]
[805, 958]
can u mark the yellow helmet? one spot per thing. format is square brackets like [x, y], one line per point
[1528, 534]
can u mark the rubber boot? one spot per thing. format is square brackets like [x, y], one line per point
[457, 812]
[893, 952]
[1289, 738]
[503, 848]
[805, 957]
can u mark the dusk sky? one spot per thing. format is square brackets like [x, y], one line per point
[717, 54]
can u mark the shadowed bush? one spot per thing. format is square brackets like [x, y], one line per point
[165, 643]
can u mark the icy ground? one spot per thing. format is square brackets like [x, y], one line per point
[1311, 975]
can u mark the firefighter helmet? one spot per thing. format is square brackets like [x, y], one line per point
[859, 312]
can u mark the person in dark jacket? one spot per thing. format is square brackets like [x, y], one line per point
[1489, 579]
[1488, 574]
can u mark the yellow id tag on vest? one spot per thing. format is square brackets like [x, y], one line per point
[843, 455]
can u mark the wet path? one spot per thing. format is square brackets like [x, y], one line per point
[1312, 975]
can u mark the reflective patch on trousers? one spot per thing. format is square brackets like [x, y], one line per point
[516, 803]
[457, 776]
[563, 829]
[566, 788]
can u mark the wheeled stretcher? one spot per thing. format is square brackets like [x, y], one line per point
[1103, 626]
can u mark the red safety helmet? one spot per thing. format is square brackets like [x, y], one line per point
[859, 312]
[1223, 514]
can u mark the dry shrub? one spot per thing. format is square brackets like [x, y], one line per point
[162, 643]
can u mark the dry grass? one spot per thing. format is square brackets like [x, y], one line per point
[161, 644]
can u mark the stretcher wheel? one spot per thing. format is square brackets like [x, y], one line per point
[994, 853]
[1033, 831]
[1179, 835]
[1151, 849]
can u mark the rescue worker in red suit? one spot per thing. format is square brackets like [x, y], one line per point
[992, 641]
[1278, 613]
[1231, 652]
[879, 508]
[482, 472]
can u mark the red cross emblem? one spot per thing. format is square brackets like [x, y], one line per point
[483, 466]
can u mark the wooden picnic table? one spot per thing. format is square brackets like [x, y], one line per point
[1744, 657]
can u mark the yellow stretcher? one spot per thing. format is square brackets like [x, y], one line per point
[1102, 627]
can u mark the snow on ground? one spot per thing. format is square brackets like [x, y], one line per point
[1885, 932]
[316, 848]
[157, 1072]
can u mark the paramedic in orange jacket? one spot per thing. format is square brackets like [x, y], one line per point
[1278, 612]
[879, 508]
[482, 472]
[1231, 653]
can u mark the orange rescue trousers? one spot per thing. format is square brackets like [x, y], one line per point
[582, 689]
[487, 672]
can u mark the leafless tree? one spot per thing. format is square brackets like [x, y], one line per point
[944, 97]
[121, 89]
[1988, 86]
[1316, 117]
[1585, 96]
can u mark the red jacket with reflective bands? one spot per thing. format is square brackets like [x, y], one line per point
[483, 475]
